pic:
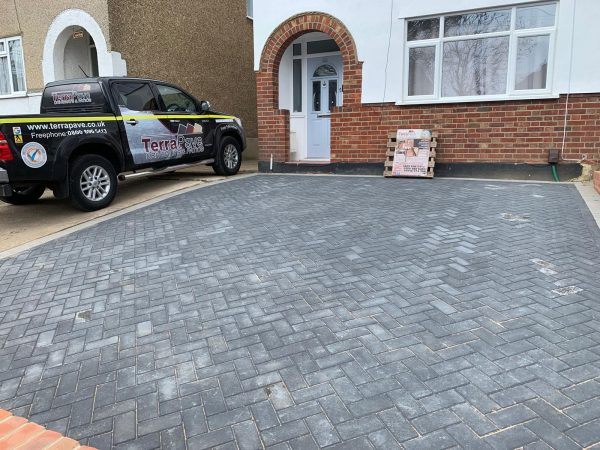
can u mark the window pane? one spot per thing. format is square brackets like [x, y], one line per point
[135, 96]
[477, 23]
[475, 67]
[532, 62]
[16, 65]
[174, 100]
[423, 29]
[297, 83]
[4, 76]
[421, 70]
[316, 96]
[249, 8]
[536, 16]
[297, 49]
[332, 94]
[2, 49]
[328, 45]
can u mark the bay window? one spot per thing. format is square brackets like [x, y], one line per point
[492, 54]
[12, 68]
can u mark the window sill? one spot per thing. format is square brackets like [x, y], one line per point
[18, 95]
[455, 100]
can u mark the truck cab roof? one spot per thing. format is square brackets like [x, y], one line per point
[97, 79]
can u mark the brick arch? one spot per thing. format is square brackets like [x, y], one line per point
[273, 123]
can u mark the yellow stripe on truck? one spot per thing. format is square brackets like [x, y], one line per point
[111, 118]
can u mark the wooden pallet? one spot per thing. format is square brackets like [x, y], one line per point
[391, 147]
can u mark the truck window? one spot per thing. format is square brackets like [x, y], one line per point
[74, 98]
[175, 100]
[135, 96]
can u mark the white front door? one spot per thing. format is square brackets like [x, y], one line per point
[324, 92]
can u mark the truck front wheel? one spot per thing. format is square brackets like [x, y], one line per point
[229, 157]
[25, 195]
[92, 183]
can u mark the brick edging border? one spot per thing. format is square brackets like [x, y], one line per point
[17, 431]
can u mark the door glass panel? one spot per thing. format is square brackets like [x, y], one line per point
[332, 94]
[316, 96]
[532, 62]
[135, 96]
[325, 70]
[421, 70]
[297, 49]
[174, 100]
[297, 85]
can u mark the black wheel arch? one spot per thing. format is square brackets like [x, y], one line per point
[70, 150]
[236, 133]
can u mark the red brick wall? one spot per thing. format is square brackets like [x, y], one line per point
[511, 131]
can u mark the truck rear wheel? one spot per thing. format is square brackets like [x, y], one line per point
[92, 183]
[229, 157]
[25, 195]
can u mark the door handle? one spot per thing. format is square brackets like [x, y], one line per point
[131, 122]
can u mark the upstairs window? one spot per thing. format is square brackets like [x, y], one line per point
[12, 68]
[494, 54]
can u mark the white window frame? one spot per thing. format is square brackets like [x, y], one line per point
[6, 53]
[513, 34]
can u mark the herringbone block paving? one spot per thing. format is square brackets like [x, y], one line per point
[298, 312]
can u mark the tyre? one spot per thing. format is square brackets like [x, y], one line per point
[92, 183]
[229, 157]
[25, 195]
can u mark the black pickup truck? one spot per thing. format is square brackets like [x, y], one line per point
[94, 131]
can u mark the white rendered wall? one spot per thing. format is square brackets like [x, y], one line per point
[29, 104]
[375, 25]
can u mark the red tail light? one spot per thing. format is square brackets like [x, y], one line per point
[5, 153]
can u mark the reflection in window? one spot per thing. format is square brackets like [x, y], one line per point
[421, 70]
[423, 29]
[316, 96]
[326, 70]
[174, 100]
[477, 23]
[536, 16]
[532, 62]
[475, 67]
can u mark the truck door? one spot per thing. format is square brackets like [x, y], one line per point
[186, 121]
[146, 127]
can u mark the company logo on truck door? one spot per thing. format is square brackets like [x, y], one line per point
[187, 141]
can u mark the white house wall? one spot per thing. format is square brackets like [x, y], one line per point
[377, 24]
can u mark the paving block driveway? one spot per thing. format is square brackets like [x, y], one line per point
[302, 312]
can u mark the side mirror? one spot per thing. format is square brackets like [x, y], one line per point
[204, 106]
